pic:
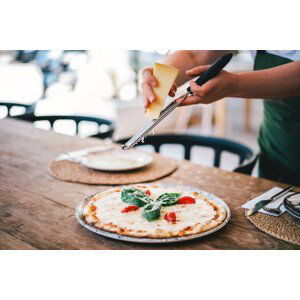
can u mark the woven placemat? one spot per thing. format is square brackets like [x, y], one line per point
[75, 172]
[284, 227]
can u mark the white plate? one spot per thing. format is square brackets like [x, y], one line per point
[116, 236]
[117, 160]
[290, 212]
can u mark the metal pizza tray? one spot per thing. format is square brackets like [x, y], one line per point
[116, 236]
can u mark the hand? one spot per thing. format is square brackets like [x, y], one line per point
[148, 82]
[221, 86]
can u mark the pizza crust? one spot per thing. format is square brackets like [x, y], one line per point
[103, 211]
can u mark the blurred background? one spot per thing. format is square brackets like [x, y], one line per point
[106, 85]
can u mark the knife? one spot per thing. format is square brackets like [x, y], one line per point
[212, 72]
[77, 155]
[263, 203]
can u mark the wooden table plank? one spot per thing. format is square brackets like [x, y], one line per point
[37, 210]
[8, 242]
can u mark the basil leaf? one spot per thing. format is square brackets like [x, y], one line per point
[151, 212]
[168, 199]
[135, 197]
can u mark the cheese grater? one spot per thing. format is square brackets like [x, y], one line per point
[203, 78]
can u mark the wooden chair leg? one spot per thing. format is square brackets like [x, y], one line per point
[247, 114]
[182, 119]
[221, 117]
[207, 119]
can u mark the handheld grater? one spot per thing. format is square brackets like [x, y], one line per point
[203, 78]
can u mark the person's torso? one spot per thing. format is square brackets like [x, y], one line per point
[280, 131]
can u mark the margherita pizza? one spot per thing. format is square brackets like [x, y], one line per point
[153, 211]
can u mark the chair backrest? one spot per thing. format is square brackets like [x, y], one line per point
[28, 108]
[188, 141]
[108, 132]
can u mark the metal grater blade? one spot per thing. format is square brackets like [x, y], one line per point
[140, 135]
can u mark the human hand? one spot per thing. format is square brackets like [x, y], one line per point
[148, 82]
[223, 85]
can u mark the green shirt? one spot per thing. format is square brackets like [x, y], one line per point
[279, 137]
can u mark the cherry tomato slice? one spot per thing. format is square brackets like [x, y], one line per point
[93, 208]
[130, 208]
[186, 200]
[171, 217]
[148, 192]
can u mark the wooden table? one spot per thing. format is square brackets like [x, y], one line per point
[37, 210]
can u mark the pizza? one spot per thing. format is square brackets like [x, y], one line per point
[153, 211]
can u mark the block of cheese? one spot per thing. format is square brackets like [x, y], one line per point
[165, 76]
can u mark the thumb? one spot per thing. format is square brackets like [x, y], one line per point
[197, 70]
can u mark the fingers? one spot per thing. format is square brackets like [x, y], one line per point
[148, 95]
[206, 89]
[197, 70]
[204, 94]
[173, 90]
[146, 102]
[148, 77]
[196, 89]
[148, 92]
[191, 100]
[210, 86]
[149, 81]
[171, 93]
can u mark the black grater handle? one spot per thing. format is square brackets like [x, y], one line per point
[213, 71]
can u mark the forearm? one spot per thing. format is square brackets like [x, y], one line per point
[275, 83]
[187, 59]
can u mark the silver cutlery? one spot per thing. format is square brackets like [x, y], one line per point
[77, 155]
[263, 203]
[275, 210]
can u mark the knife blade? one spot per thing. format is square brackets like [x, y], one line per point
[257, 207]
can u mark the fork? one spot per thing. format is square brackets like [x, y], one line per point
[276, 210]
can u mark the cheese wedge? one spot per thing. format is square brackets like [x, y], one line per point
[165, 76]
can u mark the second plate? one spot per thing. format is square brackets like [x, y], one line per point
[117, 160]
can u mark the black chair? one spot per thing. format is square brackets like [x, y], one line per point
[106, 127]
[247, 158]
[28, 115]
[29, 108]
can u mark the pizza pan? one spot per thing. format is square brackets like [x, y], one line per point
[116, 236]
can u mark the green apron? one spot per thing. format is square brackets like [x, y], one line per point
[279, 136]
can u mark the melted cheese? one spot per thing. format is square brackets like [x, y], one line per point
[165, 76]
[110, 205]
